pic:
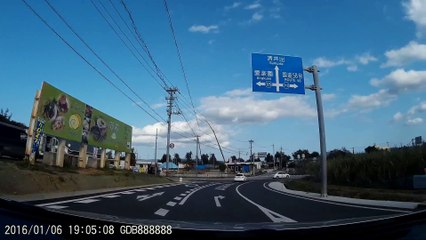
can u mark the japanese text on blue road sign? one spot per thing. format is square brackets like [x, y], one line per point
[276, 73]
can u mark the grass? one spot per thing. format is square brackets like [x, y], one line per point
[308, 185]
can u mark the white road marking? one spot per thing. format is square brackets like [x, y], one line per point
[162, 212]
[111, 196]
[84, 198]
[140, 190]
[216, 200]
[275, 217]
[141, 198]
[187, 191]
[335, 203]
[183, 194]
[177, 198]
[128, 192]
[171, 204]
[87, 201]
[195, 190]
[57, 207]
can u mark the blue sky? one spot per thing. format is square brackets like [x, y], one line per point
[371, 55]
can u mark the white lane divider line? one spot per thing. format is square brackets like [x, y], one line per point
[162, 212]
[177, 198]
[127, 193]
[140, 190]
[275, 217]
[187, 192]
[111, 196]
[195, 190]
[171, 204]
[182, 194]
[57, 206]
[87, 201]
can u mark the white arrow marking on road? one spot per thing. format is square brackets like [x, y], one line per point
[148, 196]
[293, 85]
[275, 217]
[260, 84]
[216, 200]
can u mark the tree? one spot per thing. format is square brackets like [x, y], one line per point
[176, 158]
[222, 167]
[315, 154]
[269, 158]
[371, 149]
[204, 158]
[282, 159]
[300, 153]
[164, 158]
[212, 159]
[6, 117]
[188, 156]
[233, 158]
[338, 153]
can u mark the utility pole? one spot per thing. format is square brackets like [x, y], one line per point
[316, 87]
[196, 150]
[273, 153]
[155, 155]
[170, 99]
[251, 155]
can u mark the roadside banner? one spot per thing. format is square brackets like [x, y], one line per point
[38, 134]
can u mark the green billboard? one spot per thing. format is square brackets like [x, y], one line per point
[68, 118]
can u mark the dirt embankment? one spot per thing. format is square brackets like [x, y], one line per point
[17, 178]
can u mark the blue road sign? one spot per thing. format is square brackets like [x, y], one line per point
[277, 73]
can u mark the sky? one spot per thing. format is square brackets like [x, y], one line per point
[370, 53]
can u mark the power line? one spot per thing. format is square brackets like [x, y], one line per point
[126, 45]
[144, 45]
[100, 59]
[84, 59]
[178, 53]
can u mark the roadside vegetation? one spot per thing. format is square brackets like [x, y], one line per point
[385, 174]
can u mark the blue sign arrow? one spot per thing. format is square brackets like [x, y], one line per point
[277, 73]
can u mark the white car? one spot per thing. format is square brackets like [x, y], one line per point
[281, 175]
[240, 177]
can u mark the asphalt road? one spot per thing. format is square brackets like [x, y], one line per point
[217, 202]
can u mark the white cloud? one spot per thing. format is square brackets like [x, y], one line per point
[256, 17]
[416, 12]
[413, 51]
[239, 92]
[181, 133]
[328, 96]
[234, 5]
[323, 62]
[398, 116]
[375, 100]
[204, 29]
[158, 105]
[210, 42]
[253, 6]
[365, 58]
[421, 107]
[402, 81]
[238, 106]
[414, 121]
[352, 68]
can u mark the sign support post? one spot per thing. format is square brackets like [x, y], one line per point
[317, 89]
